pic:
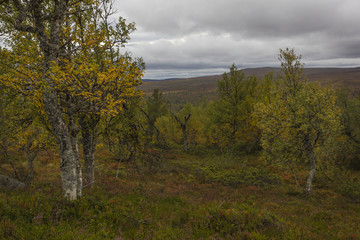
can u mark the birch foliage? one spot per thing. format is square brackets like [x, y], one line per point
[65, 56]
[299, 120]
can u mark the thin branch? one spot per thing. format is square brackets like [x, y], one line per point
[18, 24]
[89, 184]
[136, 220]
[9, 159]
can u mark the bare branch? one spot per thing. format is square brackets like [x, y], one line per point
[18, 24]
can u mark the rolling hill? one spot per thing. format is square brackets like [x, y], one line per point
[197, 88]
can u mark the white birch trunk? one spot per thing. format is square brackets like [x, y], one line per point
[46, 24]
[311, 174]
[71, 178]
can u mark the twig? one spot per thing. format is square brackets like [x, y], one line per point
[136, 220]
[88, 184]
[9, 159]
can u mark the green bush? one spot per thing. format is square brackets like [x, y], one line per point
[341, 181]
[350, 188]
[260, 176]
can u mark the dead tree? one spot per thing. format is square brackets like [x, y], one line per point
[183, 128]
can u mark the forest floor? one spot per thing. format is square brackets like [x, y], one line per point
[184, 196]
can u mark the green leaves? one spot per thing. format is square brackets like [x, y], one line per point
[231, 113]
[299, 119]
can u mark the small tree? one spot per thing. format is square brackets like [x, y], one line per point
[124, 134]
[231, 112]
[155, 108]
[182, 118]
[300, 119]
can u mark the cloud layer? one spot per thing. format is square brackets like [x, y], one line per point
[196, 37]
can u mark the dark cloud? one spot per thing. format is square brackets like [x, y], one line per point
[189, 35]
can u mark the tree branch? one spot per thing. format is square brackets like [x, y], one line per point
[10, 183]
[18, 24]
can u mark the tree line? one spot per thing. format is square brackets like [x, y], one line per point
[294, 123]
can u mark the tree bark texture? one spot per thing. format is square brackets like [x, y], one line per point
[311, 174]
[74, 144]
[70, 167]
[47, 26]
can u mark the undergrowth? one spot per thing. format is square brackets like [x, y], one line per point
[188, 197]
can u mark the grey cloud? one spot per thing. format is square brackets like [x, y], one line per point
[281, 17]
[211, 34]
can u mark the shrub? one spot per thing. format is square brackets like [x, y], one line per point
[341, 181]
[260, 176]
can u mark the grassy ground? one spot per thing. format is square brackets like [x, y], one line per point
[187, 197]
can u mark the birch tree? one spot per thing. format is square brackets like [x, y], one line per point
[43, 21]
[182, 118]
[98, 79]
[299, 120]
[66, 57]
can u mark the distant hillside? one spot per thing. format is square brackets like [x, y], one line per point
[198, 88]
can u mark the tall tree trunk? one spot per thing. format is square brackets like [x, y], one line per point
[71, 178]
[74, 131]
[311, 174]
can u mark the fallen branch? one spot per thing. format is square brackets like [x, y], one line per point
[10, 183]
[136, 220]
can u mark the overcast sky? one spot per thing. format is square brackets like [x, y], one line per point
[185, 38]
